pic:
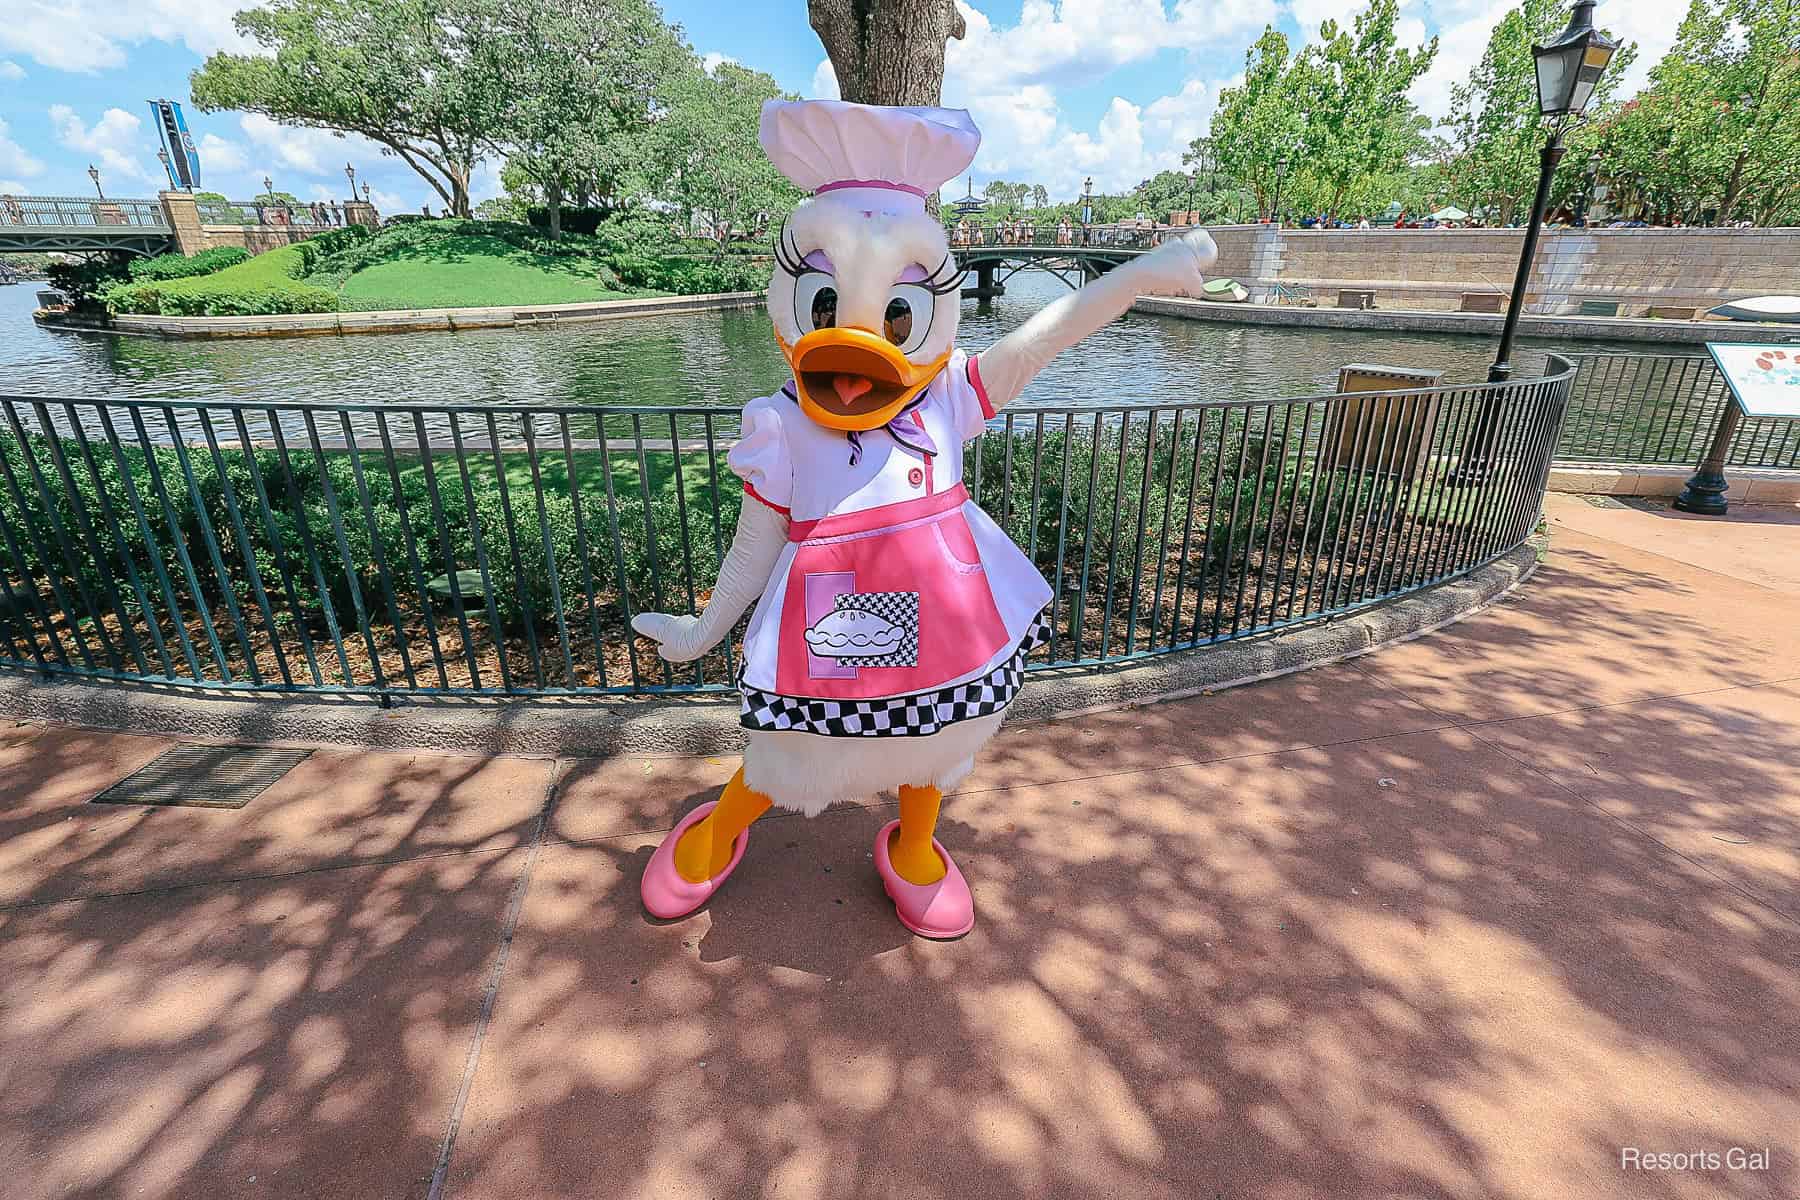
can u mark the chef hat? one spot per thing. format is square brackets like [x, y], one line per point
[828, 145]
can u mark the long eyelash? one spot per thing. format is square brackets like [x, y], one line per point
[950, 283]
[788, 256]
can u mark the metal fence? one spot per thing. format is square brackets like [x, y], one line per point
[495, 550]
[1656, 409]
[1058, 233]
[66, 212]
[323, 215]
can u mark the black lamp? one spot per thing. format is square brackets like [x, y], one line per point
[1569, 66]
[94, 174]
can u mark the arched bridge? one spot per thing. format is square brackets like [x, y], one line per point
[1073, 253]
[69, 224]
[172, 221]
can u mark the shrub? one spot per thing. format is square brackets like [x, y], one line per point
[86, 283]
[574, 220]
[258, 286]
[182, 266]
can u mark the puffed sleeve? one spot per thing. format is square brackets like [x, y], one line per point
[760, 458]
[965, 396]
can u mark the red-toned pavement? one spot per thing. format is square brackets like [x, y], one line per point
[1470, 917]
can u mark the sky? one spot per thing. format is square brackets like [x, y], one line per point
[1112, 89]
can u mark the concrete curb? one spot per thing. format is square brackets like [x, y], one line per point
[1623, 329]
[583, 727]
[409, 320]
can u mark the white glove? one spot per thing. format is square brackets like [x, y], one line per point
[761, 534]
[1173, 268]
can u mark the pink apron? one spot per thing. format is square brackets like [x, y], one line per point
[887, 601]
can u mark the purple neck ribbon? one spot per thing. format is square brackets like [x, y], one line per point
[902, 430]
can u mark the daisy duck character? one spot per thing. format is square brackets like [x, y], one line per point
[893, 616]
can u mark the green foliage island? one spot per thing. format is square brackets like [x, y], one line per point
[448, 263]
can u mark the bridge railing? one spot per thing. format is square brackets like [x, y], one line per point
[489, 549]
[64, 212]
[1027, 233]
[249, 212]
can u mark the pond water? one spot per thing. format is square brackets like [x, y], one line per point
[701, 358]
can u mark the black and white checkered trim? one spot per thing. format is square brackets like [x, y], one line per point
[898, 716]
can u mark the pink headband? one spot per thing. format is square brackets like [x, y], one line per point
[870, 183]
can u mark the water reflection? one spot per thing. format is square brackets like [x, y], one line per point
[696, 359]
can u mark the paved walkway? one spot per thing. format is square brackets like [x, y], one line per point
[1461, 919]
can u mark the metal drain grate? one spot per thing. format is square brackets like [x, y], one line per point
[204, 777]
[1605, 501]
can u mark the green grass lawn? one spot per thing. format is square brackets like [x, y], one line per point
[466, 271]
[265, 283]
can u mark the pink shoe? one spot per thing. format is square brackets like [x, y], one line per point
[938, 910]
[666, 894]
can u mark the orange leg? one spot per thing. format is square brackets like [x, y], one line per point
[704, 850]
[910, 849]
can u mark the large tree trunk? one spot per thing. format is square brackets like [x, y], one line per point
[887, 51]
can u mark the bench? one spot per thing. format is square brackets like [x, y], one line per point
[1670, 312]
[1355, 299]
[1483, 302]
[1599, 308]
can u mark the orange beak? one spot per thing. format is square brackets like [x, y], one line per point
[850, 378]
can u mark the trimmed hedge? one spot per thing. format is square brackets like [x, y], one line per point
[259, 286]
[182, 266]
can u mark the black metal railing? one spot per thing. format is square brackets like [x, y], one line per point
[1654, 409]
[1066, 234]
[71, 212]
[499, 550]
[323, 215]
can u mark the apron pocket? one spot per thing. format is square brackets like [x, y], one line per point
[958, 544]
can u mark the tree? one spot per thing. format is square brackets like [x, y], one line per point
[710, 162]
[1494, 114]
[1040, 195]
[584, 79]
[1714, 135]
[1337, 112]
[1259, 122]
[403, 73]
[887, 51]
[1358, 123]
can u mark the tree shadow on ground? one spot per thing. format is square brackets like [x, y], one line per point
[1333, 935]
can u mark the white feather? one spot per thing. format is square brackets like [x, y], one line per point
[806, 772]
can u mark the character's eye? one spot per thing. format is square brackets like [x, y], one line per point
[907, 321]
[815, 301]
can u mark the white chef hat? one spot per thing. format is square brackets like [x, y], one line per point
[830, 145]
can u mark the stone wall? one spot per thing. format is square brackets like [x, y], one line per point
[1433, 268]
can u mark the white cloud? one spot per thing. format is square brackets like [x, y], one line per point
[824, 82]
[1077, 41]
[116, 142]
[15, 158]
[387, 202]
[11, 71]
[712, 59]
[309, 151]
[89, 35]
[221, 155]
[12, 187]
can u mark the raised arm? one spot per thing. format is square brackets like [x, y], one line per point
[1173, 269]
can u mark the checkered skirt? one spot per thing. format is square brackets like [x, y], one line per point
[897, 716]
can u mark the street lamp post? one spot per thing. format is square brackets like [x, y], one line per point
[94, 174]
[1087, 208]
[1568, 69]
[1281, 166]
[350, 172]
